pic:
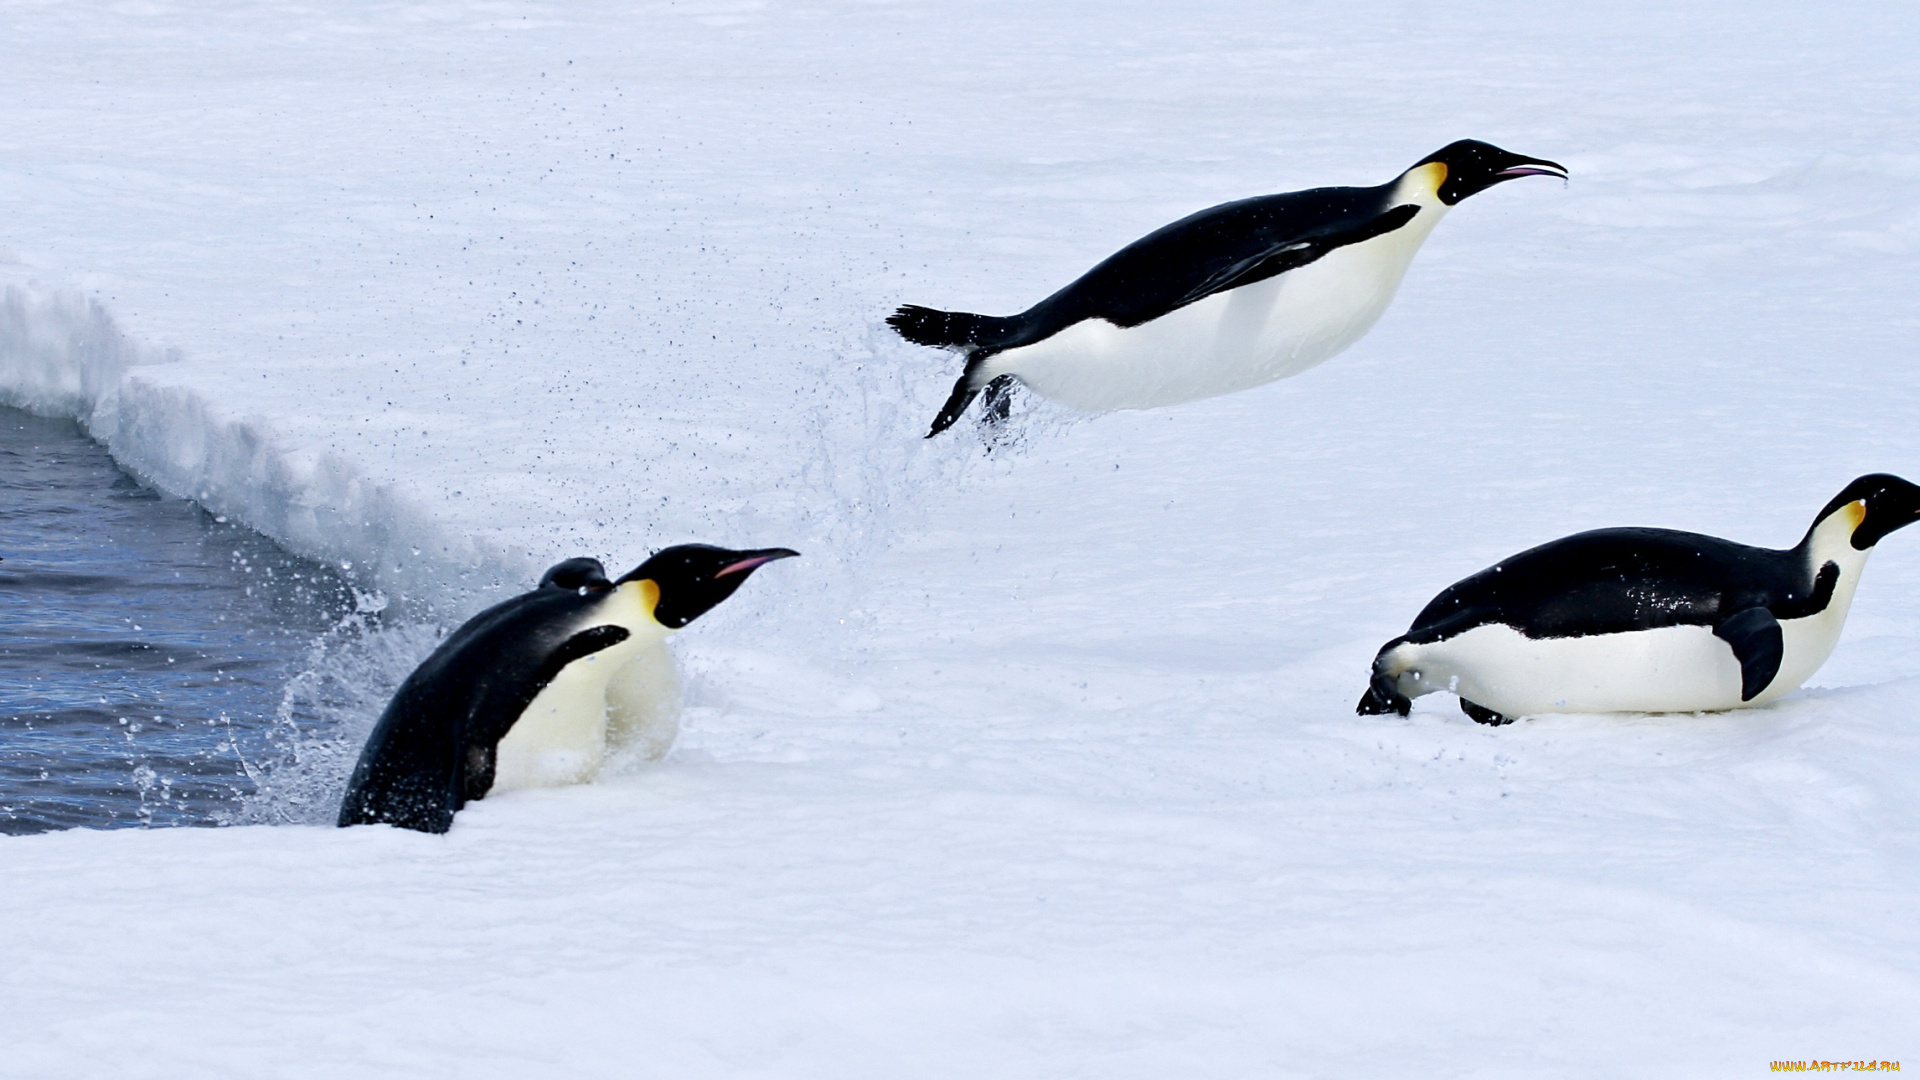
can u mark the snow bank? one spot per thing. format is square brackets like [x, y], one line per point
[61, 354]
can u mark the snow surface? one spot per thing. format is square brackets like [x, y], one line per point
[1042, 762]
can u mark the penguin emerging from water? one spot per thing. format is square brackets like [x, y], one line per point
[1642, 620]
[1226, 299]
[522, 689]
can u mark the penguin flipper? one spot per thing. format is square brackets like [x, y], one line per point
[1480, 714]
[1754, 635]
[1293, 253]
[479, 741]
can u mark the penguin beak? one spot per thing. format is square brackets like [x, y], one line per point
[753, 560]
[1531, 167]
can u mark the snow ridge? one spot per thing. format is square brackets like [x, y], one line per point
[63, 354]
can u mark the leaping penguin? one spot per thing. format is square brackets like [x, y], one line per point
[1226, 299]
[1642, 620]
[522, 688]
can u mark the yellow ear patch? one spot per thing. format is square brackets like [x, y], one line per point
[1430, 176]
[648, 592]
[1857, 510]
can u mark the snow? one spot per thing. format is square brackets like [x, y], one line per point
[1042, 761]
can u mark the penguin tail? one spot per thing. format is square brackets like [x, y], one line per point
[945, 329]
[980, 336]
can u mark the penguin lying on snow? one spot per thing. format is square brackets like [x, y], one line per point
[521, 690]
[1226, 299]
[1642, 620]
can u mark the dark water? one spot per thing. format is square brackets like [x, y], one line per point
[146, 646]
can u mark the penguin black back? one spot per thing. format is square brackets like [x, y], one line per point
[1610, 581]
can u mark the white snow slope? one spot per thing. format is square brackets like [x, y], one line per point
[1042, 762]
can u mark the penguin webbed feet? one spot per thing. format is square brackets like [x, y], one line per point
[997, 401]
[995, 409]
[1480, 714]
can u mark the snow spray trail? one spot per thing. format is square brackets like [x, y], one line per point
[851, 478]
[325, 714]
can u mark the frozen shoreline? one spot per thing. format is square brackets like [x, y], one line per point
[1040, 762]
[61, 354]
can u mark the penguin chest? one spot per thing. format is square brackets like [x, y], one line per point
[1229, 341]
[1806, 643]
[561, 736]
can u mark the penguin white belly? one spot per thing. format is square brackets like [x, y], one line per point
[1669, 669]
[562, 735]
[1229, 341]
[643, 704]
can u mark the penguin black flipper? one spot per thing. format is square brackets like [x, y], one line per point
[1480, 714]
[578, 647]
[1757, 643]
[1220, 248]
[1292, 253]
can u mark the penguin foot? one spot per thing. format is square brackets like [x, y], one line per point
[996, 408]
[1480, 714]
[997, 401]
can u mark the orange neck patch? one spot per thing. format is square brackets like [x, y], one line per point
[1429, 177]
[649, 596]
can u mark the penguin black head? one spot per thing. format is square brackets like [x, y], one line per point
[577, 575]
[1886, 503]
[693, 578]
[1473, 166]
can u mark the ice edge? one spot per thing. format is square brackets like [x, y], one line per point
[62, 354]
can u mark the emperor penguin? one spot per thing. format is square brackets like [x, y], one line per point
[1642, 620]
[520, 693]
[1227, 299]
